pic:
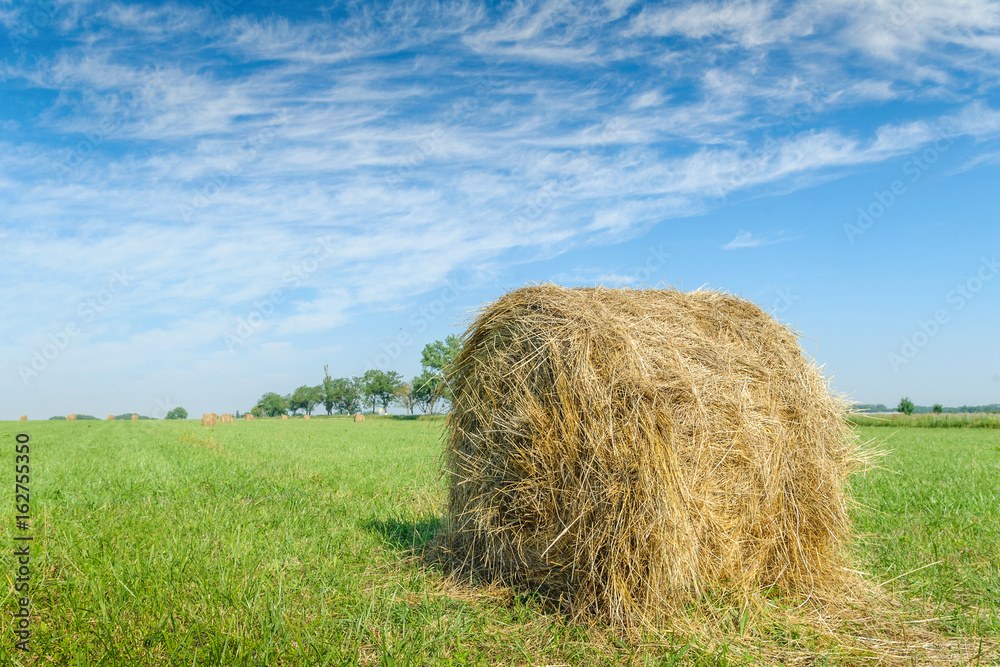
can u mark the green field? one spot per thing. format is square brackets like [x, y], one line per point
[298, 543]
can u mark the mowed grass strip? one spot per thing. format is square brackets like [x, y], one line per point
[298, 542]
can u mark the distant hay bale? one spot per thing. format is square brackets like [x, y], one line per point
[209, 419]
[359, 417]
[24, 418]
[71, 418]
[625, 452]
[111, 418]
[226, 419]
[306, 417]
[135, 417]
[284, 416]
[248, 417]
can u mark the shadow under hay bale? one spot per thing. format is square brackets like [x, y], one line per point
[631, 452]
[209, 419]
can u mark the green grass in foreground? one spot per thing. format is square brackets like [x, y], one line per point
[293, 543]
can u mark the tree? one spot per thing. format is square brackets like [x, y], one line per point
[346, 394]
[427, 391]
[328, 400]
[437, 358]
[380, 386]
[270, 405]
[177, 413]
[905, 406]
[405, 397]
[938, 408]
[305, 398]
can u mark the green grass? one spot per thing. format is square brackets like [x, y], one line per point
[933, 521]
[297, 542]
[929, 420]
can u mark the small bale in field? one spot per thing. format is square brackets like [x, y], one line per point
[71, 418]
[111, 418]
[248, 417]
[359, 417]
[209, 419]
[624, 452]
[24, 418]
[284, 416]
[306, 417]
[226, 419]
[135, 417]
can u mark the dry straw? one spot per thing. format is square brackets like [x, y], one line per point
[209, 419]
[248, 417]
[359, 417]
[629, 453]
[226, 419]
[71, 418]
[24, 418]
[284, 416]
[111, 418]
[306, 417]
[135, 417]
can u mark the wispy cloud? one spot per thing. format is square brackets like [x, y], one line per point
[745, 239]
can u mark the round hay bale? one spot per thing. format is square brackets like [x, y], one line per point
[284, 416]
[248, 417]
[226, 419]
[209, 419]
[306, 417]
[24, 418]
[359, 417]
[135, 417]
[623, 452]
[71, 418]
[111, 418]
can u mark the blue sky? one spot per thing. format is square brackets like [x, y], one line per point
[203, 202]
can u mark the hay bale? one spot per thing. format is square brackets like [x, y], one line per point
[71, 418]
[624, 452]
[24, 418]
[306, 417]
[359, 417]
[226, 419]
[209, 419]
[284, 416]
[111, 418]
[248, 417]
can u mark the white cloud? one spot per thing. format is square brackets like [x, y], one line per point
[745, 239]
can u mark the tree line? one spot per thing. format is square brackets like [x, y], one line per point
[376, 388]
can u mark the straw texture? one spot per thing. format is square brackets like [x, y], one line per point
[626, 452]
